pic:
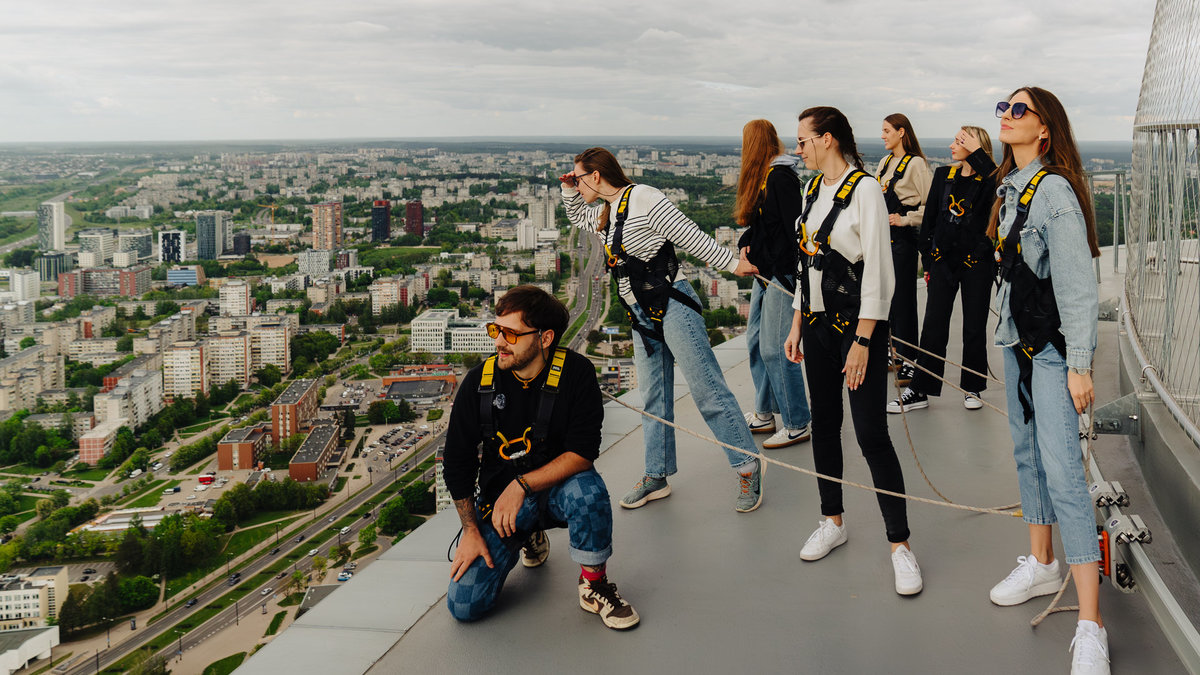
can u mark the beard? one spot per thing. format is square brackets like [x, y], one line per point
[518, 360]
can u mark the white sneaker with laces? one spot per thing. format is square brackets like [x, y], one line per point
[973, 401]
[908, 573]
[759, 424]
[1089, 649]
[787, 437]
[827, 537]
[1028, 580]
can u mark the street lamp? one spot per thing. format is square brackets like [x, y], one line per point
[180, 644]
[236, 617]
[108, 639]
[228, 559]
[277, 533]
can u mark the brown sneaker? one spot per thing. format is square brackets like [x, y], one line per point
[536, 549]
[601, 597]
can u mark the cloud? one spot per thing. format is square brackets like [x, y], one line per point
[235, 69]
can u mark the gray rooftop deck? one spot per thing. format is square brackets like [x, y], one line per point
[720, 591]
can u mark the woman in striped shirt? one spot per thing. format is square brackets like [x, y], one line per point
[640, 228]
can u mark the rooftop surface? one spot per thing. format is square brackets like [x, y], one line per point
[314, 444]
[720, 591]
[294, 392]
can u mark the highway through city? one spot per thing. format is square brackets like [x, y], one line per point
[593, 277]
[255, 599]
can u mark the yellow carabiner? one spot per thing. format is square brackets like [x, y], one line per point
[956, 206]
[505, 444]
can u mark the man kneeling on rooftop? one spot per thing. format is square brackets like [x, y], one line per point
[537, 411]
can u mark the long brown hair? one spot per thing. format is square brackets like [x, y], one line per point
[1059, 154]
[600, 159]
[829, 120]
[760, 145]
[909, 140]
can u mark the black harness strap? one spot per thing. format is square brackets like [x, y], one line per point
[948, 235]
[1031, 300]
[652, 281]
[841, 280]
[534, 434]
[894, 205]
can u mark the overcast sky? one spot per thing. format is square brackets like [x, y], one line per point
[266, 69]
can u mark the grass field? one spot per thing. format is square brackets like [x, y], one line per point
[150, 489]
[275, 622]
[90, 474]
[226, 665]
[246, 539]
[149, 499]
[188, 432]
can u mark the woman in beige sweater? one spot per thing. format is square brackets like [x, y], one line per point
[905, 178]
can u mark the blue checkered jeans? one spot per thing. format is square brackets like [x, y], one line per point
[581, 501]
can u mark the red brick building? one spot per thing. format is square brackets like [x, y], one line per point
[295, 409]
[311, 460]
[241, 448]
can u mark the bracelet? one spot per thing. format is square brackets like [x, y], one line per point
[1080, 371]
[524, 484]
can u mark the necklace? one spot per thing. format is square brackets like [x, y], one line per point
[524, 382]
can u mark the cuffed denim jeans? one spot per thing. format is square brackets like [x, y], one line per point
[1049, 459]
[581, 501]
[778, 383]
[686, 344]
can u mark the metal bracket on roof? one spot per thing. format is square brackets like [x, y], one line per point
[1106, 493]
[1119, 417]
[1109, 309]
[1127, 529]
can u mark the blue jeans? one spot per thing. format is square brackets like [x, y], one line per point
[581, 501]
[1049, 461]
[778, 383]
[686, 344]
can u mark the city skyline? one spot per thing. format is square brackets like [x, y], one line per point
[129, 72]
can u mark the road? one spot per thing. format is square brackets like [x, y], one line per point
[593, 278]
[252, 601]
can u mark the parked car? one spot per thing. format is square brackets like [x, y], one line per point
[85, 578]
[89, 570]
[344, 576]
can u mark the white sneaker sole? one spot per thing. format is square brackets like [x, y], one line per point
[1046, 588]
[768, 445]
[909, 407]
[810, 557]
[660, 493]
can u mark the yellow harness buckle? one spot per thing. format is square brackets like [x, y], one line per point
[505, 444]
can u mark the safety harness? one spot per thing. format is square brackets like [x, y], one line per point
[520, 447]
[652, 281]
[1031, 299]
[841, 280]
[948, 230]
[894, 205]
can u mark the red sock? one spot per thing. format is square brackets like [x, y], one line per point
[590, 575]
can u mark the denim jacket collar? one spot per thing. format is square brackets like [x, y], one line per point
[1017, 179]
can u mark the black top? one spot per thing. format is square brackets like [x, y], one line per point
[969, 234]
[574, 426]
[771, 235]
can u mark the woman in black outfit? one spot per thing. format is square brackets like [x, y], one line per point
[957, 253]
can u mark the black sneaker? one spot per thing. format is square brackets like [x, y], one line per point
[536, 549]
[601, 597]
[910, 400]
[905, 375]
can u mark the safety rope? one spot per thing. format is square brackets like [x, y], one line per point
[956, 365]
[763, 458]
[946, 382]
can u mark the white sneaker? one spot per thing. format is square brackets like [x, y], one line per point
[827, 537]
[787, 437]
[1029, 580]
[908, 573]
[1089, 649]
[973, 401]
[759, 424]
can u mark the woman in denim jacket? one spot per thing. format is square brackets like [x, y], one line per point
[1058, 240]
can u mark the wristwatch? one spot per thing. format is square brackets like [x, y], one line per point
[864, 341]
[1080, 371]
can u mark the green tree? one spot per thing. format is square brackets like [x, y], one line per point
[125, 343]
[269, 375]
[319, 564]
[383, 412]
[367, 536]
[393, 518]
[296, 581]
[137, 593]
[27, 342]
[418, 497]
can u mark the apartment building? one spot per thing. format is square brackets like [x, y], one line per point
[440, 331]
[30, 600]
[327, 226]
[52, 226]
[25, 284]
[139, 242]
[97, 443]
[27, 373]
[177, 327]
[384, 293]
[295, 409]
[172, 246]
[241, 448]
[314, 262]
[235, 298]
[99, 241]
[136, 398]
[105, 281]
[312, 459]
[80, 423]
[185, 369]
[151, 362]
[229, 357]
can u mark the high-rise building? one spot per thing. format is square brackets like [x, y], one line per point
[235, 298]
[100, 241]
[384, 293]
[381, 220]
[52, 226]
[241, 243]
[229, 358]
[414, 218]
[129, 282]
[139, 241]
[327, 226]
[137, 397]
[185, 369]
[295, 408]
[347, 257]
[541, 212]
[313, 262]
[50, 265]
[171, 245]
[210, 234]
[25, 284]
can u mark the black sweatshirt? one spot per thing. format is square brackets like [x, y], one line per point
[574, 426]
[971, 236]
[771, 235]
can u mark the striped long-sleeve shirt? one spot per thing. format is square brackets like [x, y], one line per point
[652, 220]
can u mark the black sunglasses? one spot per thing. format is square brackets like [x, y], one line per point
[1018, 109]
[510, 336]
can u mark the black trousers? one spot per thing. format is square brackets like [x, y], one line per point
[945, 279]
[903, 316]
[824, 357]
